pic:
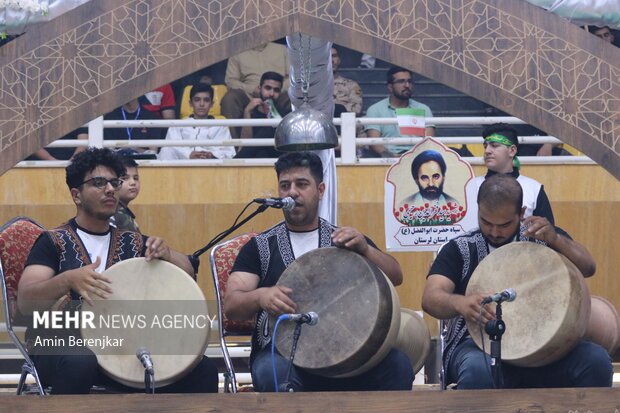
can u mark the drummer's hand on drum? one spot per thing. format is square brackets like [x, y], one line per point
[540, 228]
[351, 239]
[469, 307]
[89, 283]
[157, 248]
[275, 300]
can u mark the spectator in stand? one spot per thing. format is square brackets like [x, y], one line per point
[133, 110]
[604, 33]
[501, 144]
[243, 73]
[400, 86]
[7, 38]
[60, 154]
[367, 61]
[347, 92]
[262, 108]
[161, 102]
[207, 79]
[124, 219]
[541, 149]
[200, 100]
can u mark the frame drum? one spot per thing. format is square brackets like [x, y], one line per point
[552, 308]
[152, 292]
[604, 325]
[414, 338]
[358, 308]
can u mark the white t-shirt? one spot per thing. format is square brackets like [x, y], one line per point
[303, 242]
[97, 246]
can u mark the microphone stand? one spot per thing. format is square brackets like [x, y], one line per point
[217, 239]
[495, 329]
[286, 385]
[149, 381]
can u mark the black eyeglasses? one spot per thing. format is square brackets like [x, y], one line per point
[100, 182]
[402, 81]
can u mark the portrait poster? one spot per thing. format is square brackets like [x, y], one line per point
[423, 212]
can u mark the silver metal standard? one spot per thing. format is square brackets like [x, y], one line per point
[306, 129]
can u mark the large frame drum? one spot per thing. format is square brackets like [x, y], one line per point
[358, 308]
[414, 338]
[604, 325]
[152, 290]
[552, 308]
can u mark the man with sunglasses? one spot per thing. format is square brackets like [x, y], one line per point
[68, 261]
[400, 86]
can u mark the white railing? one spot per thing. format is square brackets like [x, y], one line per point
[348, 140]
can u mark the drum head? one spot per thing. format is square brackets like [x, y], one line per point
[169, 315]
[552, 307]
[358, 318]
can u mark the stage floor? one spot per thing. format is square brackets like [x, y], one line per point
[536, 400]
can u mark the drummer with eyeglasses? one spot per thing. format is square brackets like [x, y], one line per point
[252, 288]
[69, 260]
[500, 219]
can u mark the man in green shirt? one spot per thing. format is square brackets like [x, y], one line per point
[400, 86]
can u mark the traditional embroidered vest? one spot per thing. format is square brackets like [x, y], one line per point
[473, 248]
[276, 253]
[73, 254]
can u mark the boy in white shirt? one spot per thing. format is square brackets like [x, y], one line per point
[200, 99]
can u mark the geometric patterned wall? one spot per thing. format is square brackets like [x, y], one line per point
[510, 54]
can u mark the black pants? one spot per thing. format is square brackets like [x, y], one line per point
[77, 374]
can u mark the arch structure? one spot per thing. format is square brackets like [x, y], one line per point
[513, 55]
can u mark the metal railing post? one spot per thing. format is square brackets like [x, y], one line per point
[348, 148]
[95, 132]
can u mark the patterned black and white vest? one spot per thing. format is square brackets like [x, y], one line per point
[72, 253]
[276, 253]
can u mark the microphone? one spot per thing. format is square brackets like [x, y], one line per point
[286, 204]
[310, 318]
[144, 356]
[507, 295]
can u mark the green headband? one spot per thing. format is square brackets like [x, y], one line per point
[501, 139]
[496, 137]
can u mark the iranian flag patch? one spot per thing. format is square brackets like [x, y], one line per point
[411, 121]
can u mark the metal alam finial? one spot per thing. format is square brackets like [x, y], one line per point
[305, 128]
[304, 70]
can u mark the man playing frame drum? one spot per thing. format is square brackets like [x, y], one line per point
[500, 214]
[252, 288]
[70, 260]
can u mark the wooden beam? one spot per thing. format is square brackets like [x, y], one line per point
[487, 401]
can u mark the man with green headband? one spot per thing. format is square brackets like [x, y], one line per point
[501, 144]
